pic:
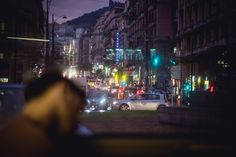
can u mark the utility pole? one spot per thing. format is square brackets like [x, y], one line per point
[147, 53]
[191, 68]
[47, 34]
[14, 72]
[53, 34]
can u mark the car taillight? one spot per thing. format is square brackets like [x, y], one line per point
[120, 89]
[138, 92]
[211, 88]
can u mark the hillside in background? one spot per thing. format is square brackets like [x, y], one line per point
[88, 19]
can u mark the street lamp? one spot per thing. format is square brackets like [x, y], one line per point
[53, 32]
[147, 52]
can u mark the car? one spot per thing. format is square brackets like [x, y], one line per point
[99, 100]
[104, 86]
[144, 101]
[11, 97]
[114, 91]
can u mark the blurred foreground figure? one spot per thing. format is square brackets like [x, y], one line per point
[48, 123]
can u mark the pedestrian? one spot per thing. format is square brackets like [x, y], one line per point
[48, 123]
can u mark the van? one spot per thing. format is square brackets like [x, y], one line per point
[82, 83]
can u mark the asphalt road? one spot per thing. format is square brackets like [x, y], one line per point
[134, 122]
[130, 122]
[146, 123]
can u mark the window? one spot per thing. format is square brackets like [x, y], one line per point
[1, 56]
[153, 97]
[2, 26]
[140, 97]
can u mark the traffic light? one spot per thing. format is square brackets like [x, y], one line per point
[186, 87]
[155, 61]
[123, 84]
[173, 62]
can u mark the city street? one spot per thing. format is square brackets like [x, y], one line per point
[133, 122]
[139, 133]
[162, 71]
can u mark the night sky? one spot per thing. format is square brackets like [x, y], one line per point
[75, 8]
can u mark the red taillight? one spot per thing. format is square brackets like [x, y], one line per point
[211, 89]
[138, 92]
[120, 89]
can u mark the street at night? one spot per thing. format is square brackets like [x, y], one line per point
[117, 78]
[135, 122]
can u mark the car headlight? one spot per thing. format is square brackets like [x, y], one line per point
[102, 101]
[88, 101]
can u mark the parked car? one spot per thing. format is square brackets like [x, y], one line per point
[11, 96]
[144, 101]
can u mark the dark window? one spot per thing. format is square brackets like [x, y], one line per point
[153, 97]
[140, 97]
[2, 26]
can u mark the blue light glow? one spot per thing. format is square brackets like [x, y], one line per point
[117, 45]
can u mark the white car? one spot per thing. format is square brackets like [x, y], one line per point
[144, 101]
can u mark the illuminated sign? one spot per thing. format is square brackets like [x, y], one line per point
[117, 45]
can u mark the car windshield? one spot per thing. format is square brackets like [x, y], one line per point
[176, 56]
[146, 96]
[139, 97]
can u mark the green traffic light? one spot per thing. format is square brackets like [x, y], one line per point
[173, 62]
[156, 61]
[187, 87]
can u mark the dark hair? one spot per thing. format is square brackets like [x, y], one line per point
[38, 86]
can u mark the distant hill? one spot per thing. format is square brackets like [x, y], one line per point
[88, 19]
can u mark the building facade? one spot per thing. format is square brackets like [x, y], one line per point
[84, 52]
[97, 42]
[61, 43]
[111, 33]
[18, 58]
[205, 42]
[150, 32]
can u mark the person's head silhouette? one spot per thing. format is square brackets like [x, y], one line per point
[57, 99]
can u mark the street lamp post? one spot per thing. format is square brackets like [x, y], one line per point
[147, 52]
[48, 3]
[53, 36]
